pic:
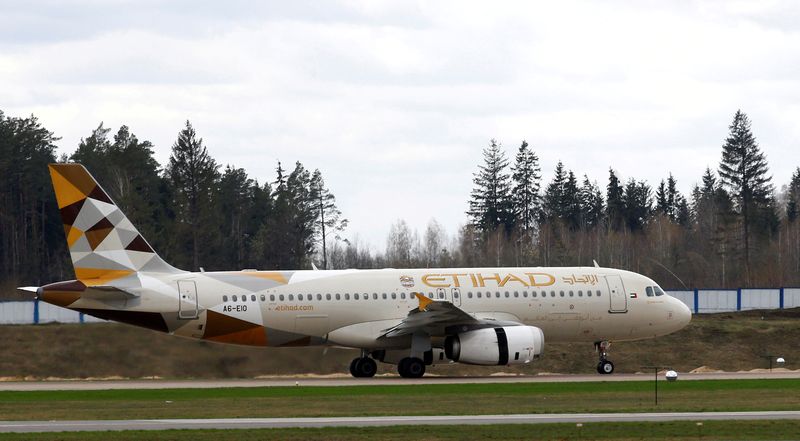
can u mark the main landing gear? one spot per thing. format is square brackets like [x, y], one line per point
[605, 366]
[363, 367]
[411, 367]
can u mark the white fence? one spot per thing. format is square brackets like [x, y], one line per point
[702, 301]
[36, 312]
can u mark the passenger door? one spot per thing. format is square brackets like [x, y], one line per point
[617, 297]
[187, 300]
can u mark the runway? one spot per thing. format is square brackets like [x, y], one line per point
[377, 381]
[273, 423]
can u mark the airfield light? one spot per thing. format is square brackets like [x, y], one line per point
[671, 375]
[780, 360]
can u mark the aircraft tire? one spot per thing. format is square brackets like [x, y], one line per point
[366, 368]
[605, 367]
[411, 367]
[354, 365]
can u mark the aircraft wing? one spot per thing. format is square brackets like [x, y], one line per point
[439, 318]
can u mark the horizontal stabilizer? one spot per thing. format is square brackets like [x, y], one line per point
[29, 290]
[107, 293]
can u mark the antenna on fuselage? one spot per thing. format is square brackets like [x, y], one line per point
[314, 267]
[595, 263]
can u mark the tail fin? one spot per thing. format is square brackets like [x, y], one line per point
[103, 244]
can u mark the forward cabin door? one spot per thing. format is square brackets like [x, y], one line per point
[187, 299]
[617, 297]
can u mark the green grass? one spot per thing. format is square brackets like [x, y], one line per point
[430, 399]
[688, 430]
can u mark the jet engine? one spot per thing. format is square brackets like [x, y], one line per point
[496, 346]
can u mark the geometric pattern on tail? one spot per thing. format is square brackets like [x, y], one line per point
[103, 244]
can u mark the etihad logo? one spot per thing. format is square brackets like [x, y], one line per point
[479, 280]
[407, 281]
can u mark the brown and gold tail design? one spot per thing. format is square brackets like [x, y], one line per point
[103, 244]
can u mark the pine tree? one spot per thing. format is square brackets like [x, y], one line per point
[571, 202]
[236, 198]
[638, 204]
[553, 201]
[193, 175]
[592, 204]
[526, 176]
[793, 197]
[615, 204]
[490, 205]
[743, 170]
[329, 217]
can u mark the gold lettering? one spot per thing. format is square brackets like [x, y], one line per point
[543, 279]
[474, 281]
[456, 282]
[512, 278]
[482, 279]
[435, 280]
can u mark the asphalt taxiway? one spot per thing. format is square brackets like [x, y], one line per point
[376, 381]
[273, 423]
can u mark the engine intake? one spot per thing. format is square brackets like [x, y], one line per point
[496, 346]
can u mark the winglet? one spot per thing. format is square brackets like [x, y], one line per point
[423, 301]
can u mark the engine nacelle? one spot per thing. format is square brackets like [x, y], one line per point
[496, 346]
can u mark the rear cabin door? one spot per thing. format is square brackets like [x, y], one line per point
[187, 299]
[617, 297]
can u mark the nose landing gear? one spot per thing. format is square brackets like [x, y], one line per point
[605, 366]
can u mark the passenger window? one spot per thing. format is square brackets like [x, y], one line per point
[253, 298]
[580, 293]
[507, 294]
[338, 296]
[383, 295]
[244, 298]
[516, 293]
[374, 296]
[280, 297]
[327, 296]
[469, 294]
[234, 298]
[300, 297]
[649, 291]
[572, 294]
[263, 298]
[272, 297]
[291, 297]
[562, 293]
[224, 298]
[533, 294]
[356, 296]
[478, 294]
[588, 293]
[319, 297]
[394, 296]
[552, 293]
[347, 296]
[497, 294]
[599, 293]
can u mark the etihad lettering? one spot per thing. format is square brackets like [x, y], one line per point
[480, 280]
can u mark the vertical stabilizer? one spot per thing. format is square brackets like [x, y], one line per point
[102, 242]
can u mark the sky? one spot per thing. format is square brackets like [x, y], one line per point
[395, 101]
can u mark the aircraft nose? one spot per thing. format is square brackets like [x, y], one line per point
[682, 313]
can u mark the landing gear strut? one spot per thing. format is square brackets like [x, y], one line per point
[411, 367]
[363, 367]
[605, 366]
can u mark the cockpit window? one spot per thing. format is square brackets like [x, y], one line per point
[649, 291]
[659, 291]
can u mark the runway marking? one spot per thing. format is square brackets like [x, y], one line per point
[271, 423]
[378, 381]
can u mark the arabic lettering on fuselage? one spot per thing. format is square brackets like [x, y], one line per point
[586, 279]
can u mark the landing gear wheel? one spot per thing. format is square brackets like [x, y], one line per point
[411, 367]
[605, 367]
[363, 367]
[366, 368]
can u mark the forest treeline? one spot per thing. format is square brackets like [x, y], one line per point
[735, 228]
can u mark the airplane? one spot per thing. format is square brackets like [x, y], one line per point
[412, 318]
